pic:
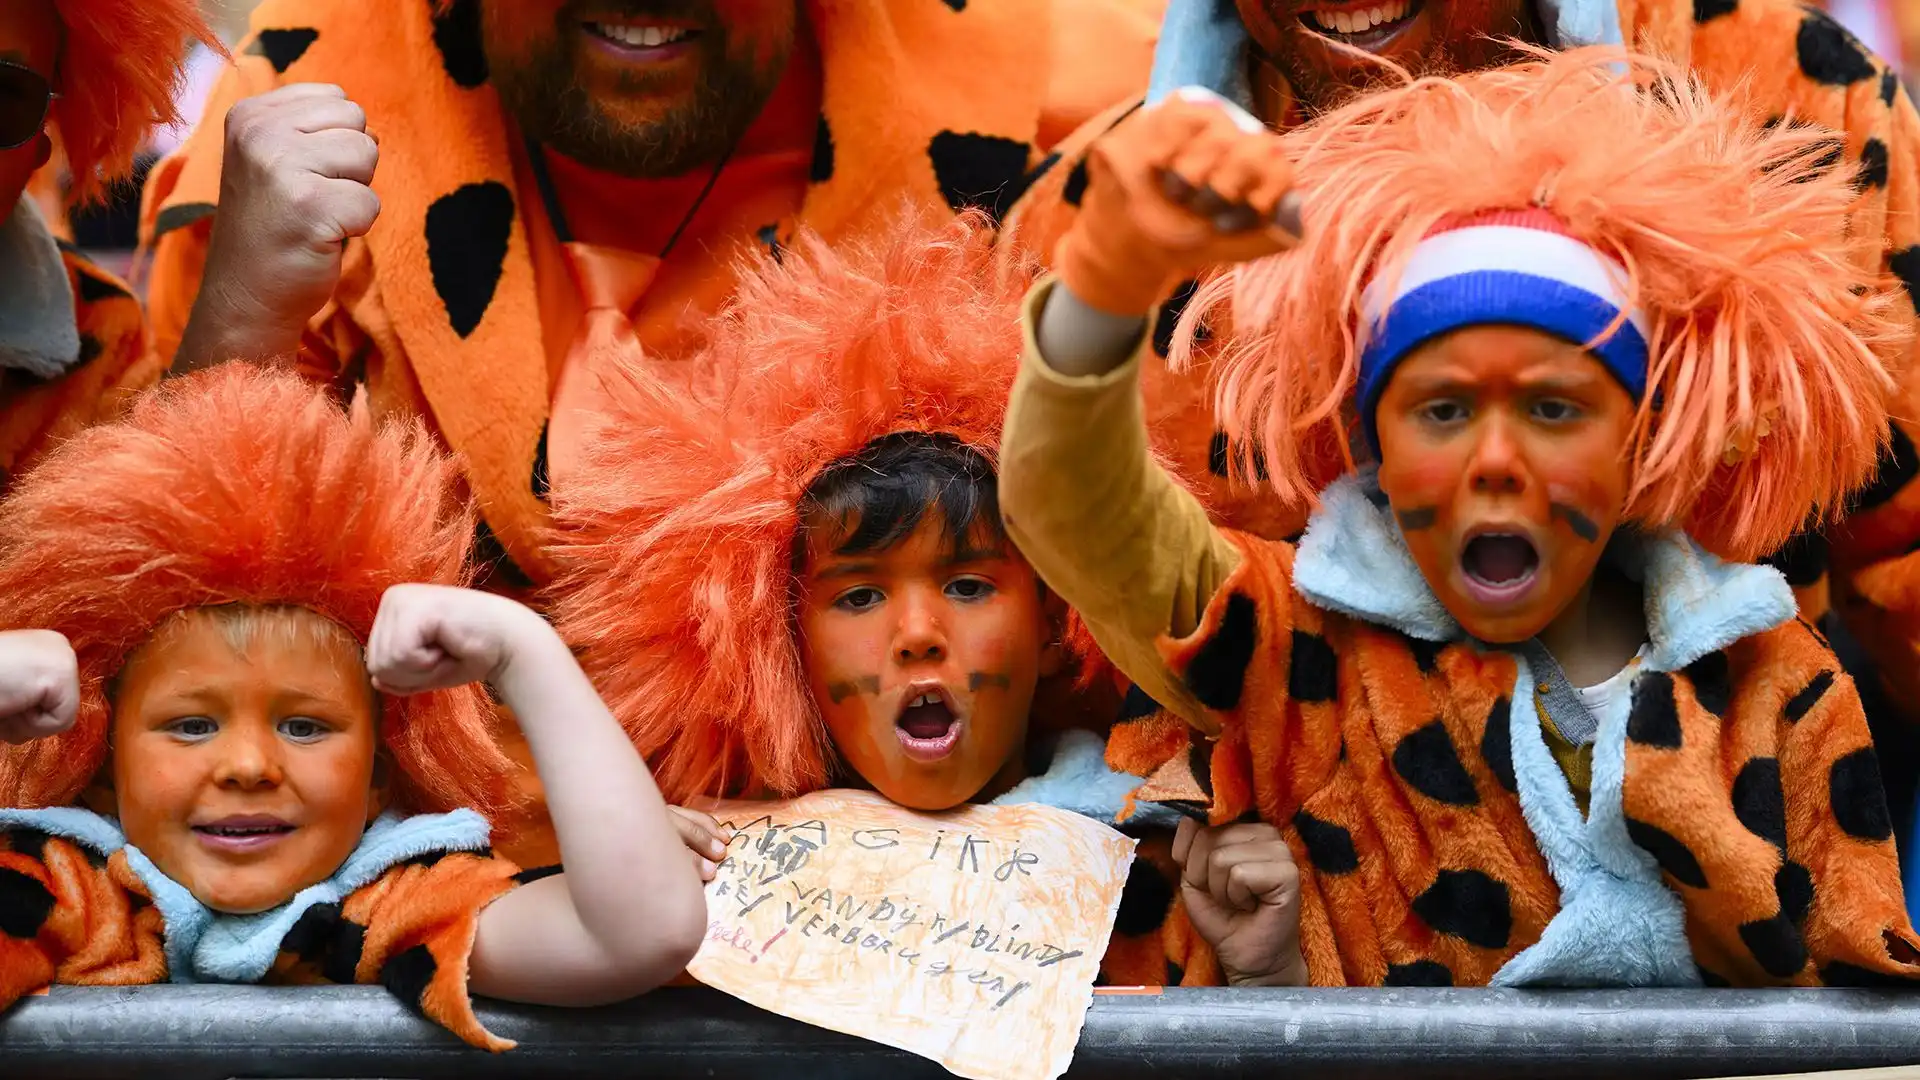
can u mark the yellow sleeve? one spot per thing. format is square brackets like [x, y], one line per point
[1104, 525]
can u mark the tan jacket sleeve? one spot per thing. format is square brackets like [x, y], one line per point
[1101, 521]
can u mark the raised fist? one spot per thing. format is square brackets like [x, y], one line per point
[293, 189]
[39, 685]
[1177, 187]
[432, 637]
[1242, 893]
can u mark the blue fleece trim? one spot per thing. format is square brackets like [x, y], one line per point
[1354, 562]
[1079, 780]
[207, 946]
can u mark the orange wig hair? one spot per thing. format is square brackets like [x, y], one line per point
[1770, 353]
[239, 486]
[678, 531]
[121, 66]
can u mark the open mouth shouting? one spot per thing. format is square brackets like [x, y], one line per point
[1367, 27]
[1499, 567]
[242, 833]
[928, 725]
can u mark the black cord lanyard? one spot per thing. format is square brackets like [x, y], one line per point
[557, 217]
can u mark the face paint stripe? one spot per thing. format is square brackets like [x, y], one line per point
[1418, 518]
[978, 679]
[1582, 525]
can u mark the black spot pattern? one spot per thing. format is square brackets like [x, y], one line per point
[426, 860]
[1075, 189]
[1828, 54]
[1217, 674]
[1873, 164]
[1841, 973]
[1496, 746]
[456, 31]
[1144, 901]
[494, 562]
[1898, 462]
[1175, 973]
[821, 170]
[1859, 800]
[1889, 87]
[1418, 973]
[957, 5]
[24, 904]
[1219, 456]
[1708, 10]
[94, 289]
[1469, 905]
[283, 47]
[1669, 852]
[409, 974]
[542, 480]
[180, 216]
[1329, 846]
[1655, 721]
[1428, 762]
[1793, 884]
[1313, 673]
[770, 236]
[1759, 802]
[1776, 944]
[1426, 654]
[1803, 561]
[90, 349]
[1169, 318]
[1712, 680]
[467, 233]
[1713, 980]
[537, 873]
[983, 172]
[324, 937]
[1137, 704]
[29, 843]
[1800, 704]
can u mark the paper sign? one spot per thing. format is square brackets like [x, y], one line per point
[970, 937]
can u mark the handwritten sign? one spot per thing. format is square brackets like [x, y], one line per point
[970, 937]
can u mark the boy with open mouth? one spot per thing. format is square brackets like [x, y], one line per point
[796, 576]
[1520, 714]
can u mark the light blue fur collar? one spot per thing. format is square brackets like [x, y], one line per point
[1204, 43]
[38, 333]
[208, 946]
[1078, 779]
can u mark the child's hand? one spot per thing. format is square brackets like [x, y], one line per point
[432, 637]
[1175, 188]
[39, 685]
[706, 841]
[1242, 892]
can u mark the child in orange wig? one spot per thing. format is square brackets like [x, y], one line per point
[796, 575]
[100, 74]
[241, 665]
[1516, 721]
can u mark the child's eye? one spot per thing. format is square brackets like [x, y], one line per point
[859, 599]
[192, 727]
[1444, 413]
[1555, 410]
[970, 588]
[302, 729]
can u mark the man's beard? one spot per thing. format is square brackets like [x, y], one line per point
[539, 89]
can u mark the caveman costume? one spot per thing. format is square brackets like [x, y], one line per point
[460, 305]
[73, 345]
[678, 571]
[1723, 823]
[1792, 64]
[243, 487]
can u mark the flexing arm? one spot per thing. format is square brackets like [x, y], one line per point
[627, 913]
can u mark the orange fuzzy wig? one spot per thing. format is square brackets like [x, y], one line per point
[120, 69]
[678, 531]
[239, 486]
[1769, 353]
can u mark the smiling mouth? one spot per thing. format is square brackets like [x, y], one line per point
[1362, 27]
[242, 834]
[642, 38]
[928, 727]
[1500, 568]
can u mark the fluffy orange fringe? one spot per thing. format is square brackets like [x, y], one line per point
[239, 486]
[677, 533]
[121, 67]
[1770, 355]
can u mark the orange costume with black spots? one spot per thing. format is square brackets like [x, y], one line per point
[1461, 812]
[461, 306]
[242, 487]
[73, 342]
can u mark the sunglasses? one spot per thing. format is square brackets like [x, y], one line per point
[25, 97]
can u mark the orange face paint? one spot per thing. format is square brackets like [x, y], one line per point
[246, 774]
[1503, 454]
[923, 661]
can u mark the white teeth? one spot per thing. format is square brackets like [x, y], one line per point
[923, 699]
[1359, 22]
[640, 37]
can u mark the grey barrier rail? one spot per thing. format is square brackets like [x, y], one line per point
[360, 1033]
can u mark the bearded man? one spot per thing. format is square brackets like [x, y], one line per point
[553, 175]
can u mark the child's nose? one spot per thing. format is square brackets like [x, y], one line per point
[249, 759]
[1498, 467]
[920, 635]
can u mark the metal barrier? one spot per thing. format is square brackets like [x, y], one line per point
[361, 1033]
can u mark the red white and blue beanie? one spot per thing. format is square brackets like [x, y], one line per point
[1514, 267]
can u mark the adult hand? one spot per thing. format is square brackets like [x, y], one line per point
[1242, 893]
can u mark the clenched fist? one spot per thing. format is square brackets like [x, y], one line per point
[39, 685]
[1242, 893]
[294, 187]
[1177, 187]
[432, 637]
